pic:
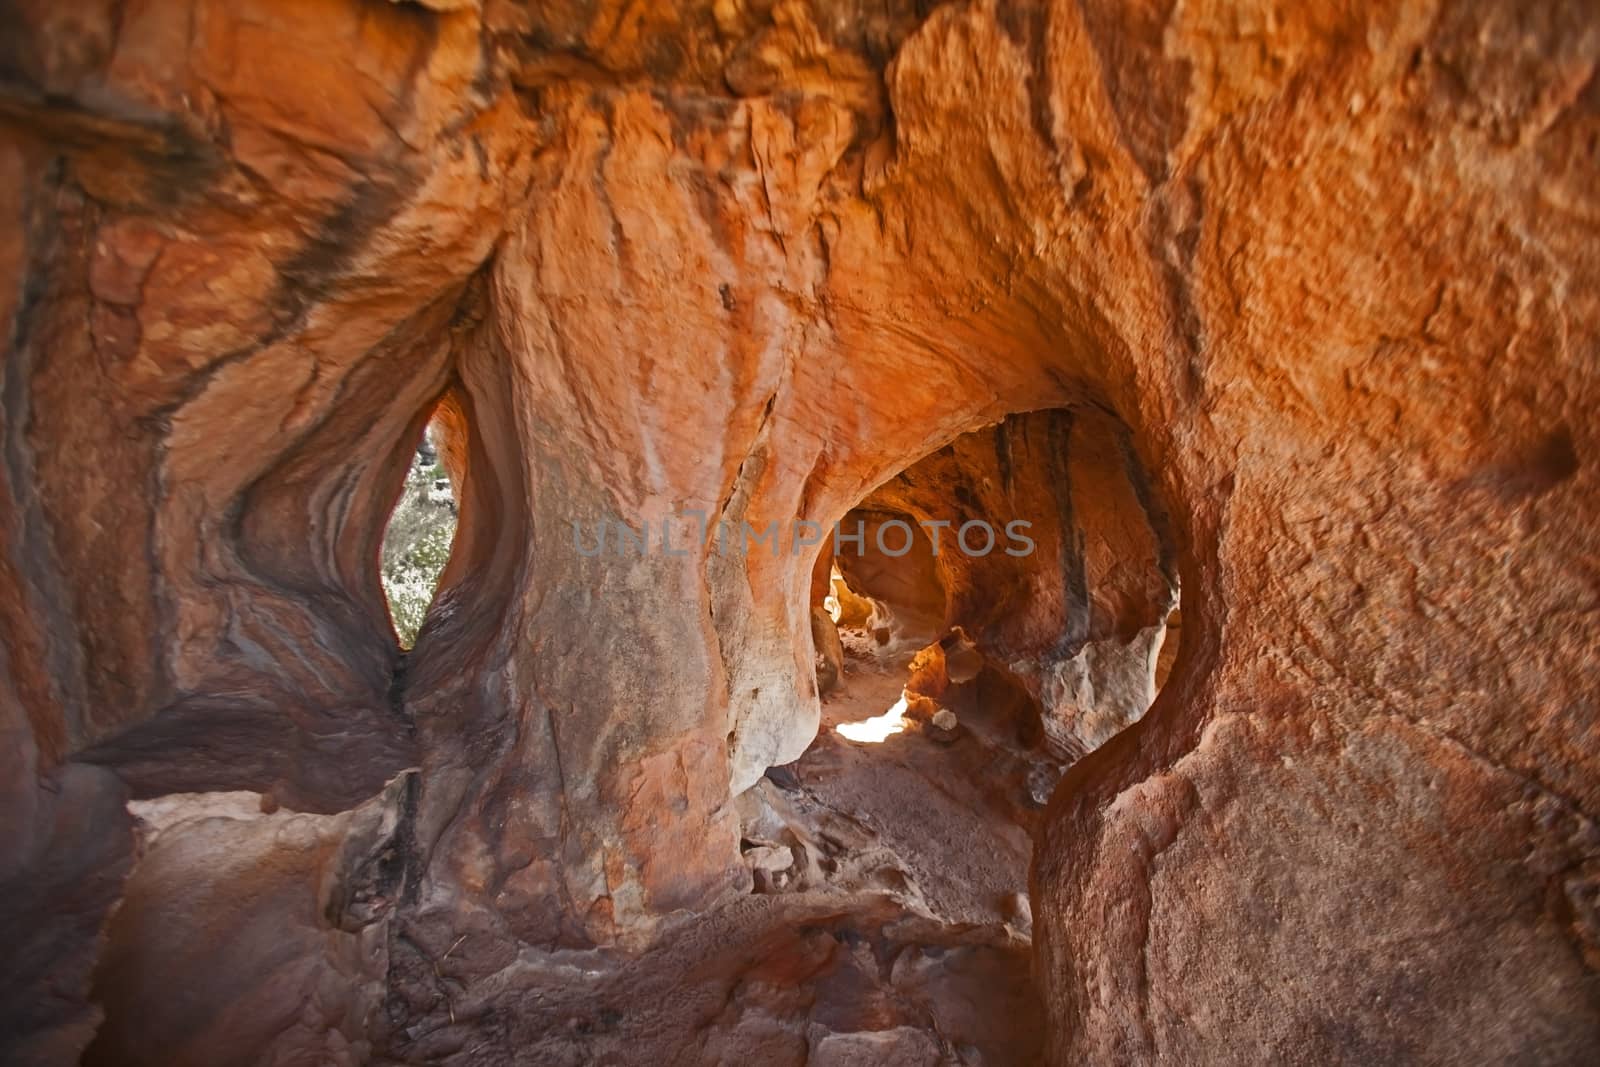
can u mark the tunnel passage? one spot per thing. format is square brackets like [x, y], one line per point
[981, 620]
[1035, 548]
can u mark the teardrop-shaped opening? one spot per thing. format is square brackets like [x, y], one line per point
[419, 538]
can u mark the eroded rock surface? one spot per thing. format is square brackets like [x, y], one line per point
[1328, 265]
[292, 902]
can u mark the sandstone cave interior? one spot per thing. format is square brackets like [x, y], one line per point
[963, 664]
[1169, 634]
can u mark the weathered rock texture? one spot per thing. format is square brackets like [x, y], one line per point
[1331, 266]
[295, 898]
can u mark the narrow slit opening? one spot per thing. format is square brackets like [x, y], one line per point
[419, 537]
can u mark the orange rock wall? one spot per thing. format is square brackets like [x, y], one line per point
[1328, 263]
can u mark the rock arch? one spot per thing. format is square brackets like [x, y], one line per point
[1326, 265]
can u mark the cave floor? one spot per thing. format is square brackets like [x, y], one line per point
[896, 931]
[953, 812]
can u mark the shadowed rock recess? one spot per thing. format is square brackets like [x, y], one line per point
[1286, 310]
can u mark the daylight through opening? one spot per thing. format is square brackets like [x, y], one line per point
[418, 539]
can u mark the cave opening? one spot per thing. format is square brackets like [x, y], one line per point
[1057, 619]
[419, 536]
[1013, 617]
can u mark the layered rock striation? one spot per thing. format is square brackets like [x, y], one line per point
[1321, 271]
